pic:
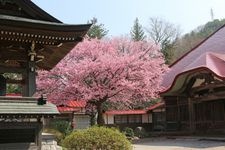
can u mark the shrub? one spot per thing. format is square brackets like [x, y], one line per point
[129, 132]
[97, 138]
[62, 126]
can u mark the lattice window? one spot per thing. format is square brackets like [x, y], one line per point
[134, 119]
[119, 119]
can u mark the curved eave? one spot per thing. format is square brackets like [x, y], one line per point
[212, 62]
[57, 39]
[39, 24]
[36, 11]
[180, 79]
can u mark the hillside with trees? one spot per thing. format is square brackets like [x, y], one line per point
[190, 40]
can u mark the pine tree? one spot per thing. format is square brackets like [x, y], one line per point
[137, 33]
[97, 30]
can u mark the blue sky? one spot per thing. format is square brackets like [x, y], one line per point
[118, 15]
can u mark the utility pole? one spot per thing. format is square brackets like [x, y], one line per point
[211, 14]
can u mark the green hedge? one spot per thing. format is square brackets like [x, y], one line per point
[97, 138]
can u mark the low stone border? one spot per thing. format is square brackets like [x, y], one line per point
[49, 143]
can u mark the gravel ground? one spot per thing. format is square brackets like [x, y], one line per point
[190, 143]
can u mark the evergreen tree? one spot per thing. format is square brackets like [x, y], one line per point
[137, 33]
[97, 30]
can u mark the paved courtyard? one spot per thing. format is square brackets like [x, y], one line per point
[181, 143]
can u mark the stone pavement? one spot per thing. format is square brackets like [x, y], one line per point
[50, 145]
[180, 143]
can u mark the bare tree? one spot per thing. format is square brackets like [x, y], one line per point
[165, 34]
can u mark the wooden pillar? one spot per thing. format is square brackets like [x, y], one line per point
[191, 115]
[30, 75]
[39, 134]
[178, 114]
[224, 110]
[72, 120]
[31, 81]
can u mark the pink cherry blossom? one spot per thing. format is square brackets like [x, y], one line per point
[115, 69]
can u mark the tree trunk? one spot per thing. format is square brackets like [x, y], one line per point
[93, 118]
[100, 119]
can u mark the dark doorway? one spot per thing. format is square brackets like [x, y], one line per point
[17, 136]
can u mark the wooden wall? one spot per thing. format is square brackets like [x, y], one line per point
[177, 116]
[208, 116]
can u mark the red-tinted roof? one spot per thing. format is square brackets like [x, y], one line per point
[125, 112]
[73, 103]
[193, 59]
[155, 106]
[66, 109]
[133, 112]
[213, 62]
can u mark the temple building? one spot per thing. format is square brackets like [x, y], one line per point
[195, 88]
[30, 39]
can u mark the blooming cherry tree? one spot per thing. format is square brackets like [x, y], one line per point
[97, 71]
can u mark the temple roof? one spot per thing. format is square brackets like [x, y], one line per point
[52, 38]
[64, 109]
[26, 9]
[15, 106]
[15, 21]
[209, 54]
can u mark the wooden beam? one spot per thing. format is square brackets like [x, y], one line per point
[4, 69]
[12, 81]
[208, 86]
[209, 97]
[12, 54]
